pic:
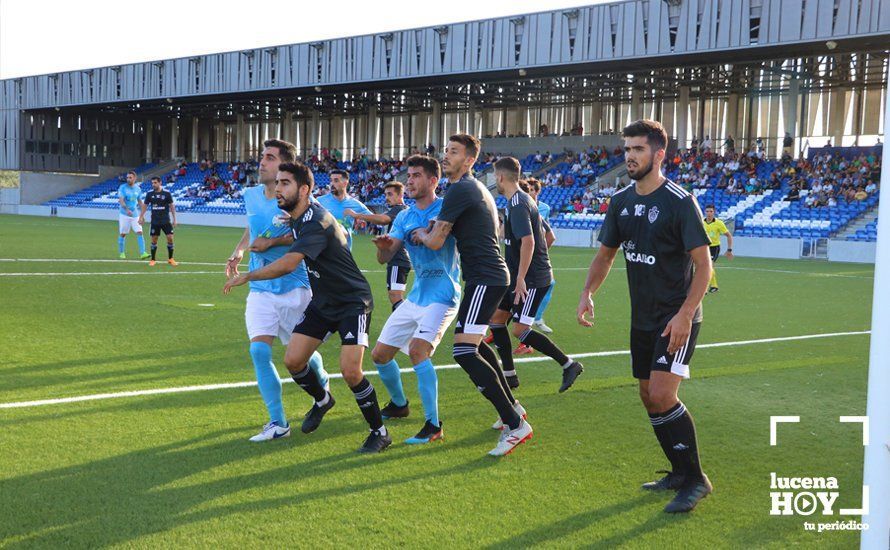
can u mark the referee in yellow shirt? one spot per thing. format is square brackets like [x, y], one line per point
[715, 228]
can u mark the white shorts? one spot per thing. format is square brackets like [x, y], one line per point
[126, 223]
[269, 314]
[410, 320]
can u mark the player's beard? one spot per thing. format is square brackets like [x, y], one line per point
[289, 205]
[643, 171]
[338, 192]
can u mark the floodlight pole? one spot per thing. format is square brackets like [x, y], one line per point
[876, 472]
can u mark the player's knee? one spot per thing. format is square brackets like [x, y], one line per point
[352, 376]
[294, 364]
[395, 296]
[260, 352]
[418, 352]
[380, 355]
[518, 329]
[661, 399]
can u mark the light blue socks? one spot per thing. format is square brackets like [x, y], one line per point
[141, 242]
[428, 387]
[317, 364]
[121, 241]
[545, 302]
[268, 382]
[392, 379]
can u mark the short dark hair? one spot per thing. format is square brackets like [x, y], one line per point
[287, 151]
[652, 130]
[338, 172]
[301, 173]
[523, 184]
[711, 206]
[156, 178]
[510, 166]
[132, 172]
[470, 143]
[534, 183]
[427, 163]
[397, 185]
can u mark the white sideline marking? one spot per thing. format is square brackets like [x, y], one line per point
[209, 387]
[585, 268]
[80, 274]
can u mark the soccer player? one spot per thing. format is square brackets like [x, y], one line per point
[658, 225]
[163, 210]
[398, 267]
[715, 227]
[531, 275]
[130, 198]
[534, 185]
[338, 201]
[341, 302]
[274, 306]
[417, 326]
[468, 210]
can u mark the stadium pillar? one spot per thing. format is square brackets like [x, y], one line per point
[219, 152]
[682, 117]
[838, 115]
[732, 117]
[239, 138]
[471, 119]
[149, 138]
[194, 140]
[596, 118]
[372, 133]
[287, 127]
[636, 104]
[876, 474]
[436, 126]
[791, 110]
[174, 137]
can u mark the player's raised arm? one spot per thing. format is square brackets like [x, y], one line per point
[378, 219]
[262, 244]
[434, 239]
[280, 267]
[387, 246]
[235, 259]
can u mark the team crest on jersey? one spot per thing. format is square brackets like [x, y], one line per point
[653, 214]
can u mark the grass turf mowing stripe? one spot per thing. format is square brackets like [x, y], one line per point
[209, 387]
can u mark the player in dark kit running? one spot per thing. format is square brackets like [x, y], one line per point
[658, 224]
[468, 211]
[531, 275]
[341, 302]
[163, 218]
[399, 266]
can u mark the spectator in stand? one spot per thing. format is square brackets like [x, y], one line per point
[860, 195]
[729, 145]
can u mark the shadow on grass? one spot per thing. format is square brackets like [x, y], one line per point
[119, 499]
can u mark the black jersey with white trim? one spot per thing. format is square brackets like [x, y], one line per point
[522, 219]
[656, 232]
[338, 286]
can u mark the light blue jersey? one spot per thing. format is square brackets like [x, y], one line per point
[544, 210]
[336, 208]
[263, 221]
[437, 272]
[131, 196]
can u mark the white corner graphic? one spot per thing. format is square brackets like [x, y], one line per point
[773, 420]
[858, 419]
[860, 512]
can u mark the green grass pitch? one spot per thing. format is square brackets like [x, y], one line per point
[176, 470]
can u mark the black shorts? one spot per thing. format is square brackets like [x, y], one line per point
[648, 352]
[477, 306]
[156, 229]
[525, 311]
[397, 277]
[353, 328]
[715, 253]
